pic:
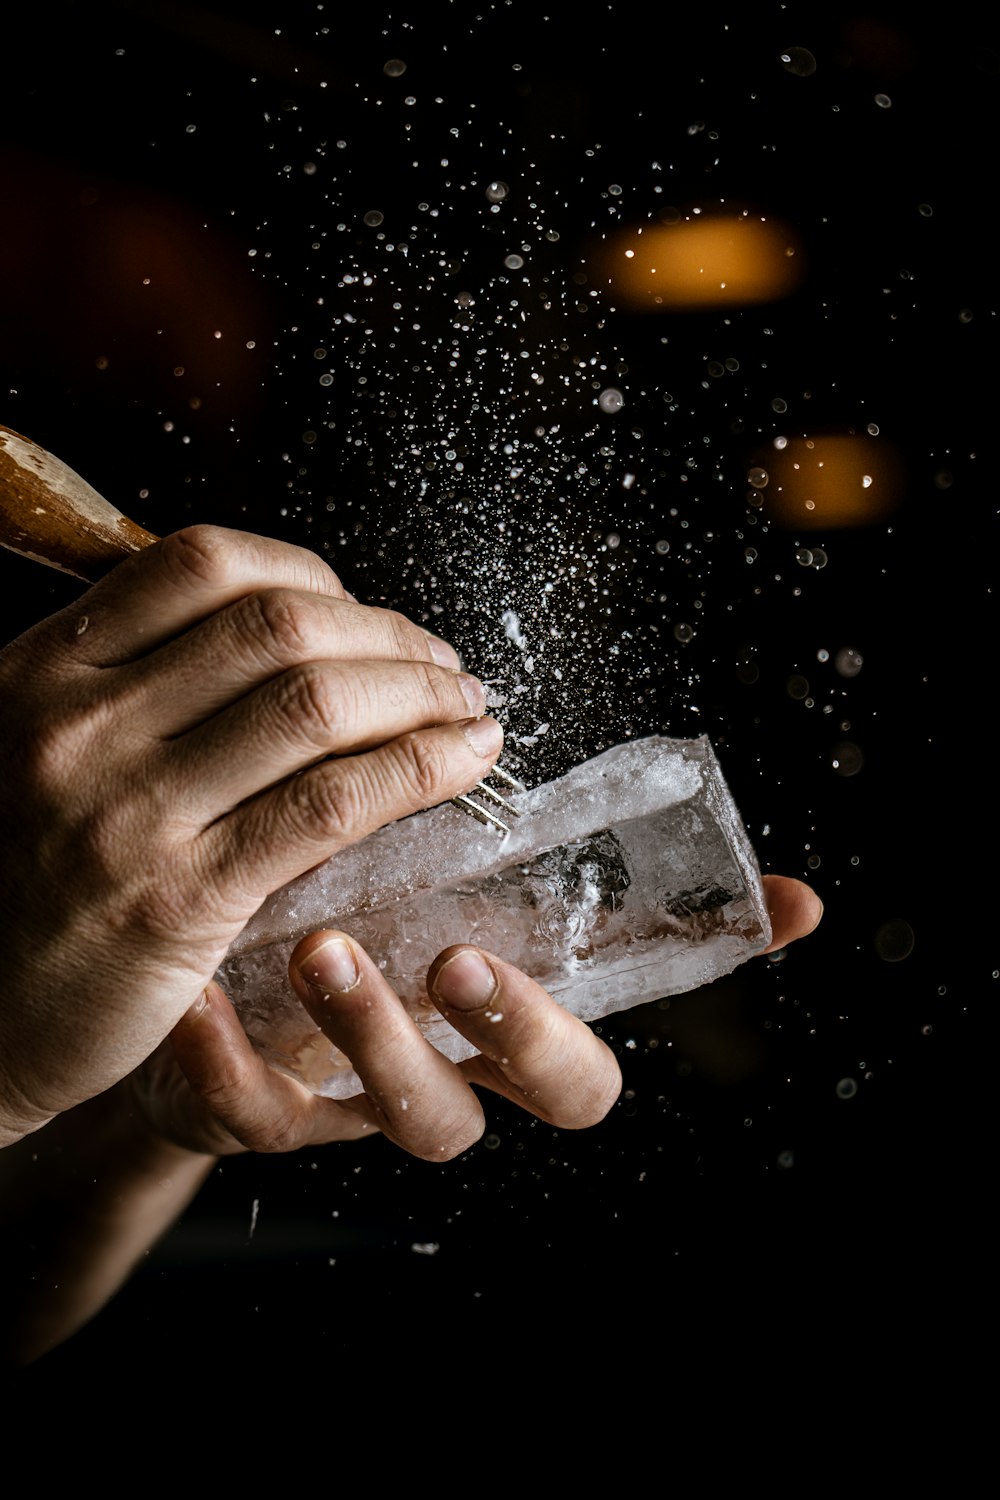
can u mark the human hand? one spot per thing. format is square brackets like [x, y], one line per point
[209, 1090]
[212, 719]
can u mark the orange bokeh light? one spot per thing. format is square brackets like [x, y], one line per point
[826, 481]
[711, 260]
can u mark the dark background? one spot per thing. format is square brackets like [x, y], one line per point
[808, 1140]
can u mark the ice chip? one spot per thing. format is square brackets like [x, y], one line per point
[628, 879]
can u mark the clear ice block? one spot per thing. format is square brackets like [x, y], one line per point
[628, 879]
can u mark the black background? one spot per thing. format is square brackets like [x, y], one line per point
[732, 1184]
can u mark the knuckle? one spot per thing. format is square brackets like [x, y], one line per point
[328, 805]
[284, 621]
[421, 767]
[271, 1133]
[440, 691]
[266, 1130]
[200, 554]
[314, 702]
[406, 639]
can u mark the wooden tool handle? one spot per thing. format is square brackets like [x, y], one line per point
[50, 514]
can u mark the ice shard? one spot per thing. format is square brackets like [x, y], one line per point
[628, 879]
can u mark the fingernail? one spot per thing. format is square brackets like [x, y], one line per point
[331, 968]
[199, 1006]
[465, 981]
[485, 736]
[473, 692]
[443, 654]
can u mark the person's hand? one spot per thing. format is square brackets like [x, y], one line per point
[207, 1089]
[211, 720]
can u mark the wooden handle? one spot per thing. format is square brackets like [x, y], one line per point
[50, 514]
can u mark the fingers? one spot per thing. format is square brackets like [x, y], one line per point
[239, 1102]
[319, 709]
[794, 907]
[531, 1050]
[270, 840]
[413, 1094]
[261, 636]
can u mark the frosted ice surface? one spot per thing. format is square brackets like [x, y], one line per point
[628, 879]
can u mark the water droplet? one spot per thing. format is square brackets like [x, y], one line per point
[846, 758]
[847, 1088]
[779, 404]
[663, 547]
[683, 633]
[513, 262]
[883, 101]
[326, 380]
[611, 400]
[848, 662]
[373, 218]
[803, 557]
[798, 60]
[394, 68]
[894, 941]
[925, 209]
[873, 429]
[758, 478]
[786, 1159]
[496, 192]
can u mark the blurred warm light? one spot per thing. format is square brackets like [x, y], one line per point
[832, 480]
[710, 260]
